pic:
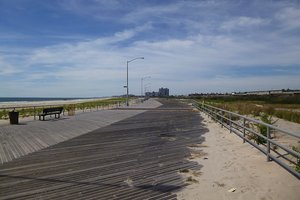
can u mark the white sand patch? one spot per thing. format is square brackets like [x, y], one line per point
[233, 170]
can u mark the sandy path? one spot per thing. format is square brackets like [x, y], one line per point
[231, 164]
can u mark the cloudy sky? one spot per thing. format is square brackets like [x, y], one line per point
[79, 48]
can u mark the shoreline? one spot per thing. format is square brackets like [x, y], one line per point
[23, 104]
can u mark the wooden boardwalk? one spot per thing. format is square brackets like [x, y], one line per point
[136, 158]
[20, 140]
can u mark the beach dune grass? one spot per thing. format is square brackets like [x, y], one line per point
[35, 110]
[287, 107]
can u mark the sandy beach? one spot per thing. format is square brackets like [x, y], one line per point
[233, 170]
[44, 103]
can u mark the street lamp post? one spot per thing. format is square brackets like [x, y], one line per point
[147, 87]
[127, 98]
[142, 79]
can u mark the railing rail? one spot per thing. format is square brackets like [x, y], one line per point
[284, 156]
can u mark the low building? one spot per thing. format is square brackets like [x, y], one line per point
[162, 92]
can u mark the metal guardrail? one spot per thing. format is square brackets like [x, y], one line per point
[281, 154]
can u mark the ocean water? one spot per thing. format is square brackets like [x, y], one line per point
[33, 99]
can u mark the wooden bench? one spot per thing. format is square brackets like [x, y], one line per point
[56, 111]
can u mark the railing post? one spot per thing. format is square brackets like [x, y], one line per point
[207, 111]
[222, 115]
[215, 115]
[230, 124]
[244, 130]
[34, 114]
[268, 143]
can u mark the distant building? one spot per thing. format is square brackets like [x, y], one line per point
[162, 92]
[250, 93]
[151, 94]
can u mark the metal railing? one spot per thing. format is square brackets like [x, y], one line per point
[244, 127]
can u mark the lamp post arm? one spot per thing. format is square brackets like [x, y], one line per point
[135, 59]
[127, 96]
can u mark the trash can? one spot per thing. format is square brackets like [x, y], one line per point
[13, 117]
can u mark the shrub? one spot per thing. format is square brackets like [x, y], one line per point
[297, 167]
[288, 115]
[263, 130]
[4, 114]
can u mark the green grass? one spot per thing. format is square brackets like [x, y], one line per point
[266, 99]
[4, 114]
[95, 104]
[263, 130]
[278, 106]
[25, 112]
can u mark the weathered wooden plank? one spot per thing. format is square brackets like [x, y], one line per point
[137, 158]
[41, 134]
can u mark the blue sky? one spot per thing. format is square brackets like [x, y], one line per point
[79, 48]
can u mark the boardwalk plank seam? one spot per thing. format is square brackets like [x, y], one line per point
[129, 159]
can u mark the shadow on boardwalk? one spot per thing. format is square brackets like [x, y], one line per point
[138, 157]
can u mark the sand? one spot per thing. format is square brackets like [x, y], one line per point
[233, 170]
[44, 103]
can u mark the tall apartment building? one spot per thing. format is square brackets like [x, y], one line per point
[163, 92]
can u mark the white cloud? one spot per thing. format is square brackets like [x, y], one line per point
[191, 61]
[7, 69]
[243, 22]
[95, 63]
[229, 84]
[152, 12]
[289, 17]
[126, 34]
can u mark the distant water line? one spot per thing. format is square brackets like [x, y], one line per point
[34, 99]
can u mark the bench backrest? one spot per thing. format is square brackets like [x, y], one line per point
[53, 110]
